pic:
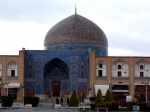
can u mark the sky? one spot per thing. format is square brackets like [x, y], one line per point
[126, 23]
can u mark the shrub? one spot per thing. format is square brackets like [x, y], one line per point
[35, 101]
[93, 106]
[109, 96]
[99, 98]
[74, 101]
[31, 100]
[109, 105]
[130, 105]
[115, 106]
[143, 106]
[101, 104]
[7, 101]
[27, 100]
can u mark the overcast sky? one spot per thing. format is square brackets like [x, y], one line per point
[126, 23]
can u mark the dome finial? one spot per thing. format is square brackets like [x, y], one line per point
[75, 10]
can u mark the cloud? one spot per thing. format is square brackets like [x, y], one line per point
[125, 43]
[17, 35]
[31, 10]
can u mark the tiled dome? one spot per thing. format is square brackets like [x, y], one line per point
[75, 29]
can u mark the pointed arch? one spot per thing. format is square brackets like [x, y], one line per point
[12, 69]
[141, 68]
[120, 68]
[56, 68]
[55, 72]
[101, 69]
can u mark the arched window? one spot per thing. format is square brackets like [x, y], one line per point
[100, 66]
[101, 69]
[119, 66]
[12, 69]
[141, 67]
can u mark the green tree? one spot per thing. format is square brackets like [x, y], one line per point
[74, 101]
[109, 96]
[99, 99]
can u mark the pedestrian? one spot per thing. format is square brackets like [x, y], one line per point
[57, 101]
[67, 100]
[61, 101]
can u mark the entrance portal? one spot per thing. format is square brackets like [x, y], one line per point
[119, 94]
[56, 90]
[140, 93]
[56, 77]
[12, 92]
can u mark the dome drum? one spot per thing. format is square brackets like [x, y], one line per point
[100, 50]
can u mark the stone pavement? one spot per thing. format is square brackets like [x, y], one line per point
[43, 107]
[39, 109]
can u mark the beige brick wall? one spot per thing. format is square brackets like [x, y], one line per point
[19, 59]
[108, 80]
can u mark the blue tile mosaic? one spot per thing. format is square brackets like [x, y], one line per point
[65, 71]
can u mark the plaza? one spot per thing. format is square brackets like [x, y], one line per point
[39, 110]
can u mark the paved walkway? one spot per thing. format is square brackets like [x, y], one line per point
[42, 109]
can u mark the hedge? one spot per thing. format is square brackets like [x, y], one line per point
[7, 101]
[31, 100]
[130, 105]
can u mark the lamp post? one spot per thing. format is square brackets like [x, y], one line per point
[7, 82]
[23, 94]
[89, 92]
[146, 86]
[7, 85]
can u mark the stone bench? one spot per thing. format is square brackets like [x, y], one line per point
[1, 106]
[84, 105]
[17, 105]
[57, 106]
[29, 106]
[102, 108]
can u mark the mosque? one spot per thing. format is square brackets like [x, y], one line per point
[75, 57]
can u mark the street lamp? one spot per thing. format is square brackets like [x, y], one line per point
[23, 93]
[89, 91]
[7, 82]
[146, 85]
[7, 85]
